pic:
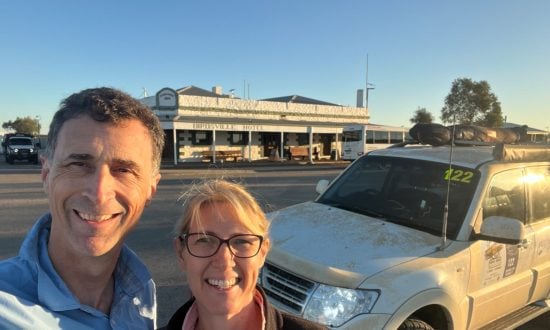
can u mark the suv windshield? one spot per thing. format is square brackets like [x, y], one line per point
[409, 192]
[20, 142]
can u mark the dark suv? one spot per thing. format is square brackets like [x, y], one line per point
[20, 146]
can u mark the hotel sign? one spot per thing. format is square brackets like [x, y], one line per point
[227, 127]
[167, 99]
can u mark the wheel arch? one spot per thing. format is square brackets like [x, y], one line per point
[433, 306]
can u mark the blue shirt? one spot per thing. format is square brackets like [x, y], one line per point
[33, 296]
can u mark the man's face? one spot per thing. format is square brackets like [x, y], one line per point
[98, 183]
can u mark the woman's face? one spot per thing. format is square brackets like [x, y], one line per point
[221, 284]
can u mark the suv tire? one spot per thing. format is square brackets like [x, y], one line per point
[415, 324]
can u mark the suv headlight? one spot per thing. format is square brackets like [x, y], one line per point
[334, 306]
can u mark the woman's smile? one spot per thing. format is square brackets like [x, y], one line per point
[223, 284]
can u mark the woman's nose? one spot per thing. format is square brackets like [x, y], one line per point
[224, 256]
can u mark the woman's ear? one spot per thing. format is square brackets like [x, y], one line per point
[179, 249]
[264, 250]
[266, 245]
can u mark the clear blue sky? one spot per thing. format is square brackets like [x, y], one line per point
[313, 48]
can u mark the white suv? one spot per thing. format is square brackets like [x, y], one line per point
[419, 238]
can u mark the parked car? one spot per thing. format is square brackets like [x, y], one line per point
[419, 237]
[20, 146]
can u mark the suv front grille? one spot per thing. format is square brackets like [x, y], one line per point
[288, 291]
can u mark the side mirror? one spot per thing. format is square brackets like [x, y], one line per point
[502, 230]
[321, 186]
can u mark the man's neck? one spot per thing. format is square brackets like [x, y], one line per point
[90, 279]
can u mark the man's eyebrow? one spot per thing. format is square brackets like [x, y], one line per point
[116, 161]
[80, 156]
[125, 163]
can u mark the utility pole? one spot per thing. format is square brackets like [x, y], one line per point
[246, 90]
[368, 86]
[37, 118]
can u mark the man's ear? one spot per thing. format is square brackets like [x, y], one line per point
[154, 185]
[45, 171]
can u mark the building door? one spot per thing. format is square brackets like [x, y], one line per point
[270, 141]
[168, 151]
[326, 141]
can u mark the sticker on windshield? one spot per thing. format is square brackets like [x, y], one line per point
[458, 175]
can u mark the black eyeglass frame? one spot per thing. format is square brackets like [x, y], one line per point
[184, 239]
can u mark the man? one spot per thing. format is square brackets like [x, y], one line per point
[100, 170]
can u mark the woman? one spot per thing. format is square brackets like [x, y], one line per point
[222, 243]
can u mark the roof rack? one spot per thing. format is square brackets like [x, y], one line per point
[530, 152]
[460, 143]
[522, 152]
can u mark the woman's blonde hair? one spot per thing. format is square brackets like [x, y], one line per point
[245, 206]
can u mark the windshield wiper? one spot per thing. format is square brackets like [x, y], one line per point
[368, 212]
[371, 213]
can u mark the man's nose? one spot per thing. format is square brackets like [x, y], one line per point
[101, 185]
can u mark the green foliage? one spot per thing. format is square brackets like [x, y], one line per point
[470, 102]
[26, 125]
[422, 116]
[493, 117]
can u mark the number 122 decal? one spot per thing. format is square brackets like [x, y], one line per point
[458, 175]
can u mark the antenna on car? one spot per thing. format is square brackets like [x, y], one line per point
[446, 207]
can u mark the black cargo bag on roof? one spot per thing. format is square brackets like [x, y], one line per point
[485, 134]
[434, 134]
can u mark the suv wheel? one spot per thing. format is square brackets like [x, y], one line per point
[415, 324]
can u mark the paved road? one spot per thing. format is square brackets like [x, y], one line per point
[22, 201]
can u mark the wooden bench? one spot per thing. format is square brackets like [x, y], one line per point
[222, 155]
[299, 152]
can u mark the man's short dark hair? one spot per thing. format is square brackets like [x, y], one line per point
[106, 105]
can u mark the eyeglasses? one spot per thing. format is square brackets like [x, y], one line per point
[206, 245]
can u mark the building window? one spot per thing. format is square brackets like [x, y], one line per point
[201, 138]
[238, 138]
[303, 139]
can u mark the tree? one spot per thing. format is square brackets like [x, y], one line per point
[422, 116]
[26, 125]
[493, 117]
[470, 102]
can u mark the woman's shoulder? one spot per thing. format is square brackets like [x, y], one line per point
[176, 321]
